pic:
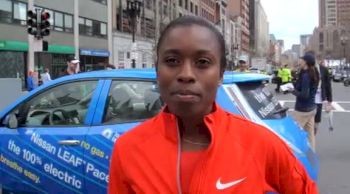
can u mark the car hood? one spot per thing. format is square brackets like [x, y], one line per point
[296, 138]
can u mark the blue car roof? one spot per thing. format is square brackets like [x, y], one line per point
[229, 77]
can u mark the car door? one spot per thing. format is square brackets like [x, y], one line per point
[45, 154]
[123, 104]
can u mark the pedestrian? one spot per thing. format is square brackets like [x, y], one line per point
[278, 79]
[30, 81]
[45, 77]
[242, 64]
[323, 94]
[193, 145]
[305, 92]
[72, 66]
[286, 75]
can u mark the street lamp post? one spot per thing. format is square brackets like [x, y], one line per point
[343, 41]
[235, 48]
[133, 9]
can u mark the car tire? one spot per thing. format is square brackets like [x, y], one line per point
[347, 82]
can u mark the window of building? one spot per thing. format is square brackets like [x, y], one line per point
[6, 11]
[103, 27]
[88, 27]
[58, 21]
[104, 2]
[186, 4]
[149, 4]
[191, 7]
[128, 55]
[120, 56]
[81, 25]
[68, 23]
[20, 13]
[165, 10]
[96, 28]
[180, 3]
[160, 7]
[196, 9]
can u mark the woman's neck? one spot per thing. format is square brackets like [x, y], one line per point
[195, 135]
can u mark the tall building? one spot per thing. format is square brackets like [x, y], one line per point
[274, 55]
[93, 31]
[343, 12]
[334, 12]
[207, 9]
[241, 8]
[321, 13]
[155, 15]
[305, 39]
[297, 49]
[331, 12]
[260, 30]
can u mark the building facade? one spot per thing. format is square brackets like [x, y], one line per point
[93, 43]
[261, 31]
[334, 13]
[343, 12]
[241, 8]
[275, 52]
[327, 42]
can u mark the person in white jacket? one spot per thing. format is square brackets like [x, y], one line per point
[45, 77]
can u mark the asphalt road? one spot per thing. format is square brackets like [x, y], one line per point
[333, 148]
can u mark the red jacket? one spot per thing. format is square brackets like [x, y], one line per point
[243, 157]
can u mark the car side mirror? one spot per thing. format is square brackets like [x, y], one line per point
[11, 121]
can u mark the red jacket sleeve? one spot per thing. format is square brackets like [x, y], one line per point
[118, 183]
[285, 174]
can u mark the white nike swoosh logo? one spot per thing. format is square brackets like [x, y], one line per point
[221, 186]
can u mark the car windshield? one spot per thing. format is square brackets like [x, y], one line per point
[262, 101]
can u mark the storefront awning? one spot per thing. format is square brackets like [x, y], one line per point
[12, 45]
[60, 49]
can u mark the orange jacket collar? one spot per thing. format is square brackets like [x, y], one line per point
[170, 123]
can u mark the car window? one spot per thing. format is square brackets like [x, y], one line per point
[131, 101]
[262, 101]
[63, 105]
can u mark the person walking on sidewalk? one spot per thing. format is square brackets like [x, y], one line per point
[323, 94]
[31, 83]
[305, 92]
[193, 145]
[72, 66]
[45, 77]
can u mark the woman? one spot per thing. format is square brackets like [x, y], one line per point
[305, 91]
[193, 145]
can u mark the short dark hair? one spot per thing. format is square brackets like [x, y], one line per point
[195, 20]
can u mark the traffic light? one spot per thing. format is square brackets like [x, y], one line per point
[32, 22]
[44, 24]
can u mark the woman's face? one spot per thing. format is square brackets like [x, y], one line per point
[188, 70]
[303, 64]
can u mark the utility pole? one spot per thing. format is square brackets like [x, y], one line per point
[109, 32]
[76, 32]
[34, 44]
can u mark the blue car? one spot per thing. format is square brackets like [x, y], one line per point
[59, 137]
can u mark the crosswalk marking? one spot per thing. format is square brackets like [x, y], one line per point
[335, 105]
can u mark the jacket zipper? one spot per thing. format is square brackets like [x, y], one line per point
[178, 161]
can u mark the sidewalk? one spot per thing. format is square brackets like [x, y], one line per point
[10, 90]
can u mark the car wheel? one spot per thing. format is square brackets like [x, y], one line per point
[347, 82]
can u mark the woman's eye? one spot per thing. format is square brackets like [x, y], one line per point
[203, 62]
[172, 61]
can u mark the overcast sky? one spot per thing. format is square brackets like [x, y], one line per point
[288, 19]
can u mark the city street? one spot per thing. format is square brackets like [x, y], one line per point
[332, 147]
